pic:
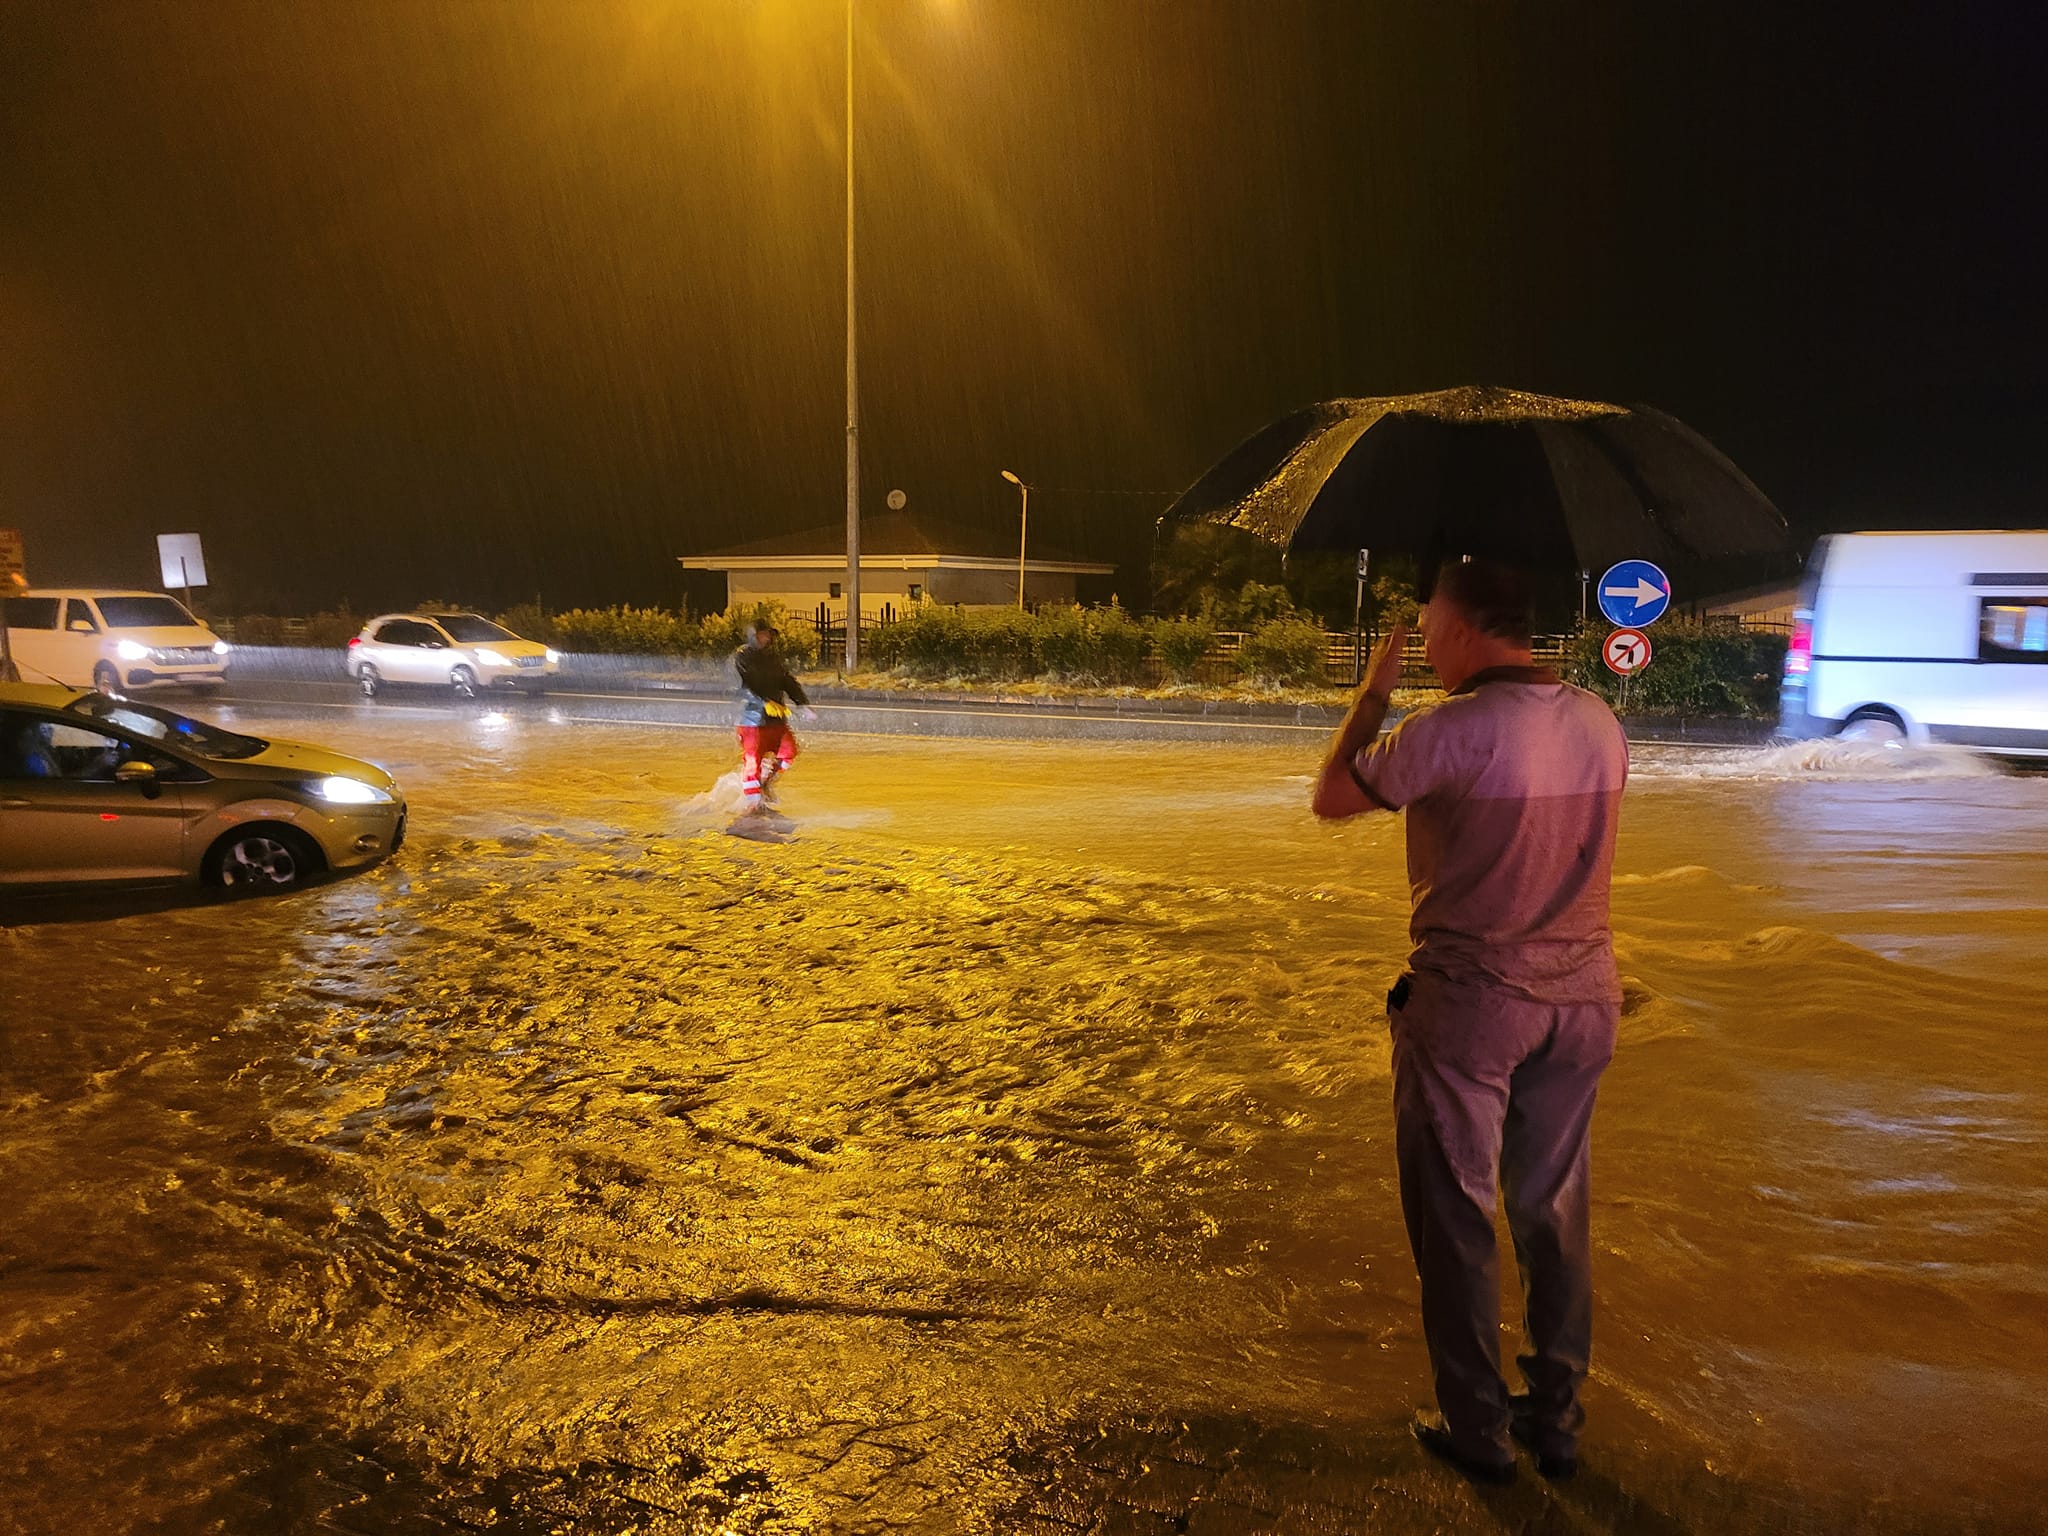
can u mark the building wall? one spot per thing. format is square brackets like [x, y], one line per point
[1768, 609]
[801, 590]
[998, 589]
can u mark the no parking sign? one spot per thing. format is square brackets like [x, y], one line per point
[1626, 652]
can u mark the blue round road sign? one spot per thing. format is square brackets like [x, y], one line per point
[1634, 593]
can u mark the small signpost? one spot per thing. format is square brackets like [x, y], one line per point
[1634, 593]
[1626, 652]
[184, 565]
[1358, 620]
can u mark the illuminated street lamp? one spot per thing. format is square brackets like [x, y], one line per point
[1023, 526]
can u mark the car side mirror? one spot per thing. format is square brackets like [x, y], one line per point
[142, 775]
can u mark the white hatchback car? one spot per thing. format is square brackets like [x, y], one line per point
[463, 651]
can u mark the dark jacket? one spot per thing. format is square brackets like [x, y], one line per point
[764, 679]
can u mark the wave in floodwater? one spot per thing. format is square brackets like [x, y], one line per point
[1830, 761]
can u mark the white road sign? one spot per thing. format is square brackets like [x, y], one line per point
[184, 566]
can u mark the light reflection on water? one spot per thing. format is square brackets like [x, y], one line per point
[586, 1161]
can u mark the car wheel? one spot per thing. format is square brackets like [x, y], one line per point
[1875, 730]
[368, 681]
[106, 679]
[262, 858]
[464, 681]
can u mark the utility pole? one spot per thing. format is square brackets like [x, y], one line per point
[852, 390]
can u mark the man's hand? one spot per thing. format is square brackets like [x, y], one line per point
[1383, 670]
[1336, 793]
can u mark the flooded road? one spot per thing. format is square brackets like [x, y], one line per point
[1009, 1151]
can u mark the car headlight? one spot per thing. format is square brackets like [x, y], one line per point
[554, 656]
[342, 791]
[491, 658]
[220, 647]
[130, 650]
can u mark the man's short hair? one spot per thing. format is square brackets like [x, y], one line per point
[1495, 599]
[763, 627]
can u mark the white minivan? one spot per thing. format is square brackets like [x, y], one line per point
[1922, 637]
[117, 642]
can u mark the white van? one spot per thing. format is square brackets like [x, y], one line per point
[114, 641]
[1923, 637]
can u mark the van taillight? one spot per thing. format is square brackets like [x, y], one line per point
[1799, 654]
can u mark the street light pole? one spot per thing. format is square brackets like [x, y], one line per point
[1023, 529]
[852, 390]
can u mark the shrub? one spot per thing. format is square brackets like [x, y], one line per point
[529, 622]
[927, 642]
[1182, 644]
[720, 634]
[1122, 645]
[1256, 603]
[1287, 650]
[1693, 670]
[1061, 641]
[259, 629]
[935, 642]
[625, 632]
[1102, 643]
[326, 631]
[1001, 643]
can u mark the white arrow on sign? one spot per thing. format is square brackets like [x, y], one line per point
[1642, 594]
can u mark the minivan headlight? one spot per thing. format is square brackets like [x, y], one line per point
[220, 647]
[131, 650]
[341, 791]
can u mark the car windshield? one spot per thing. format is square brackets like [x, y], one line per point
[145, 613]
[153, 724]
[468, 628]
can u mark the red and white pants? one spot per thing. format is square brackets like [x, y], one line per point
[772, 740]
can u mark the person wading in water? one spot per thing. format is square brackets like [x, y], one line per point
[768, 693]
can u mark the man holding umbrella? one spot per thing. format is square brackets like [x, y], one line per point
[1507, 1013]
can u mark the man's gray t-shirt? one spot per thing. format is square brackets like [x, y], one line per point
[1512, 788]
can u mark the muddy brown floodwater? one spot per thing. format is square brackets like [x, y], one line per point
[1009, 1151]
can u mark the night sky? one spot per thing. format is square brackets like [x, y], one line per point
[397, 299]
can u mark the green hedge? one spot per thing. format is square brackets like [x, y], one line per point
[1005, 644]
[629, 631]
[1284, 650]
[1693, 671]
[1181, 645]
[624, 632]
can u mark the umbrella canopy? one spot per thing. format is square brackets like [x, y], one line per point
[1532, 481]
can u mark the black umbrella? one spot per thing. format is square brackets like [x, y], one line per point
[1544, 484]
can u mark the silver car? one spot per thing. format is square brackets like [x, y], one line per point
[462, 651]
[94, 787]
